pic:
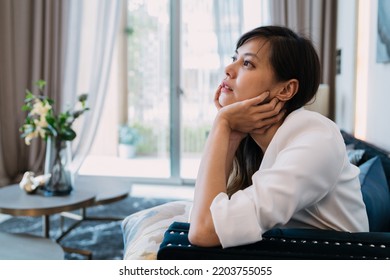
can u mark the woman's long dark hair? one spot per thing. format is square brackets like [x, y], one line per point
[292, 57]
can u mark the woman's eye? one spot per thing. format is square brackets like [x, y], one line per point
[234, 58]
[247, 63]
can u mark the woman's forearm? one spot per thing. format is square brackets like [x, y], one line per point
[211, 180]
[229, 128]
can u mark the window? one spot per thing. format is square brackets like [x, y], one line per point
[175, 52]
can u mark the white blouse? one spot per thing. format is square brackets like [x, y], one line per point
[305, 181]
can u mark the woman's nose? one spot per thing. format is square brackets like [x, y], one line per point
[229, 71]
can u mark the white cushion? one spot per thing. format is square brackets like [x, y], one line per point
[143, 231]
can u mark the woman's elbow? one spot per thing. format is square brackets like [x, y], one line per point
[195, 237]
[200, 236]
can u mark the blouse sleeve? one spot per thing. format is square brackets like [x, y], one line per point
[305, 169]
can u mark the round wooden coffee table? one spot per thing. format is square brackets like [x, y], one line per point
[14, 201]
[104, 195]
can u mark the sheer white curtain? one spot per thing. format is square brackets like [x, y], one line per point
[92, 33]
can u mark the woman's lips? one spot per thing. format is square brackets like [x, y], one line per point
[225, 88]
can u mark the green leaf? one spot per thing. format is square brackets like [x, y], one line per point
[51, 120]
[78, 113]
[51, 130]
[26, 107]
[83, 97]
[41, 84]
[29, 96]
[68, 134]
[49, 100]
[63, 118]
[29, 121]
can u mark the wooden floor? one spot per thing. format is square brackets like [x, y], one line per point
[15, 246]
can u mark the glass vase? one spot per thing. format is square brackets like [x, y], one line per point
[57, 160]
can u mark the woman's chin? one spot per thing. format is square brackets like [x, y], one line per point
[224, 101]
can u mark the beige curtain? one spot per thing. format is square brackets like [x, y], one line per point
[31, 48]
[317, 20]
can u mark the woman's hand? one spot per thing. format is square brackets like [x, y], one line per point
[252, 115]
[235, 136]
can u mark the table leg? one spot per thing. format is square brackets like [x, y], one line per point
[45, 226]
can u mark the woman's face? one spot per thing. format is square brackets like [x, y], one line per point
[250, 73]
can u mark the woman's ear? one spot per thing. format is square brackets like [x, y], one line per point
[288, 91]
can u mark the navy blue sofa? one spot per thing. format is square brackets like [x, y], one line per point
[310, 243]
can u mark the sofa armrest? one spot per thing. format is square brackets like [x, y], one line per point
[282, 244]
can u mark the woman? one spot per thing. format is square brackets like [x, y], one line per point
[268, 162]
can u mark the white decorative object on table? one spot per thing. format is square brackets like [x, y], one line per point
[30, 184]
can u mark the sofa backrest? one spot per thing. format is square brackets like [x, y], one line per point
[375, 197]
[370, 152]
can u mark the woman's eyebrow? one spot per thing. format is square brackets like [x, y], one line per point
[248, 54]
[251, 55]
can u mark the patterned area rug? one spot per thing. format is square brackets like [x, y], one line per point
[103, 238]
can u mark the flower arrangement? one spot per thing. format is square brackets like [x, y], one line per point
[56, 129]
[42, 121]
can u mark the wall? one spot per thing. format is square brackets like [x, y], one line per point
[345, 80]
[362, 95]
[377, 127]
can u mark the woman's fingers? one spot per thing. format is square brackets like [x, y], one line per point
[271, 109]
[216, 97]
[265, 124]
[266, 115]
[258, 100]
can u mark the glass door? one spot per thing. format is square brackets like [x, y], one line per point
[148, 82]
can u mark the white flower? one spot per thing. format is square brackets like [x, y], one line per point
[29, 137]
[41, 122]
[40, 108]
[40, 131]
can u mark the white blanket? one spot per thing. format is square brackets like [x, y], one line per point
[143, 231]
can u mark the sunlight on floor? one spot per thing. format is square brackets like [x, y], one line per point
[157, 191]
[137, 167]
[4, 217]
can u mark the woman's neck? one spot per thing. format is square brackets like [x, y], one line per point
[264, 139]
